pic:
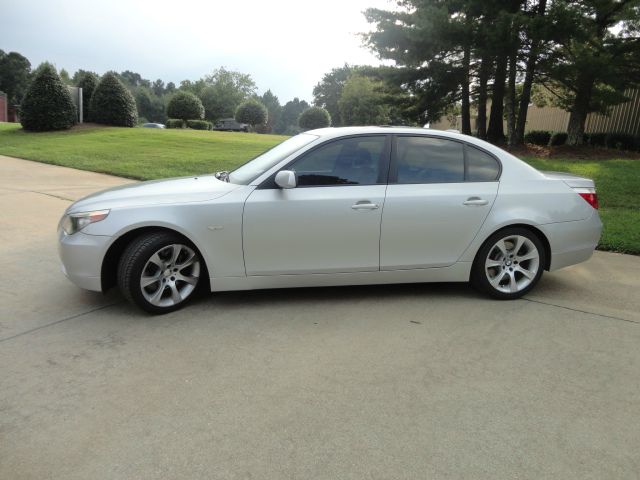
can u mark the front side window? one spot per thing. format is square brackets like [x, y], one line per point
[350, 161]
[251, 170]
[429, 160]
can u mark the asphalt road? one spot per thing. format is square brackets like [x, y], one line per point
[400, 382]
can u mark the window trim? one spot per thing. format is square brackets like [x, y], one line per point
[393, 166]
[384, 167]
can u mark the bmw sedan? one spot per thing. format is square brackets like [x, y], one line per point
[335, 206]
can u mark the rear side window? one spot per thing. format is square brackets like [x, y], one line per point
[429, 160]
[350, 161]
[481, 167]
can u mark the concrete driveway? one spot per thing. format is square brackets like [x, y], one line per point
[401, 382]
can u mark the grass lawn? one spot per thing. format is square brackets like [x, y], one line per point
[146, 154]
[139, 153]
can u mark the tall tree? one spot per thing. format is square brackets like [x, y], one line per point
[15, 75]
[288, 123]
[222, 92]
[328, 91]
[274, 110]
[592, 66]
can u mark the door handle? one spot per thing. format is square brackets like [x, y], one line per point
[365, 205]
[475, 201]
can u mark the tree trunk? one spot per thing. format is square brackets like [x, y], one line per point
[525, 98]
[495, 133]
[579, 111]
[483, 78]
[511, 94]
[466, 107]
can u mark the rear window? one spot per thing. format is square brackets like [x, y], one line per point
[481, 167]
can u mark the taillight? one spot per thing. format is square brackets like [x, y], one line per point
[590, 196]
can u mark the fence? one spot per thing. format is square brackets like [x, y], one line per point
[623, 118]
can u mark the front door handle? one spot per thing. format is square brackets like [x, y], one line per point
[475, 201]
[365, 205]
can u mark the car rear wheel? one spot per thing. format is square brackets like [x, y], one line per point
[160, 272]
[509, 264]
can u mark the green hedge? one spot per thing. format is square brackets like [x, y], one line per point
[538, 137]
[175, 123]
[47, 104]
[314, 117]
[558, 138]
[613, 140]
[113, 104]
[186, 106]
[199, 124]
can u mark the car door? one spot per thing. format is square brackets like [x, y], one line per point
[440, 192]
[329, 223]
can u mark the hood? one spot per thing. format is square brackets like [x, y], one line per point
[155, 192]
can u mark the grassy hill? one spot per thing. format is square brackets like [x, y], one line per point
[145, 154]
[140, 153]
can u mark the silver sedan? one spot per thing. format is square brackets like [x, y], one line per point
[336, 206]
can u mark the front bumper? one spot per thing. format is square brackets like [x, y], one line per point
[81, 257]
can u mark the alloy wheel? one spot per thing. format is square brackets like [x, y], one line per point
[512, 264]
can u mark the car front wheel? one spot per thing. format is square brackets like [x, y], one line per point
[509, 264]
[159, 272]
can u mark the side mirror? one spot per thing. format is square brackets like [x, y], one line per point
[286, 179]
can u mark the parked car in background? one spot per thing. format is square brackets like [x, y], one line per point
[336, 206]
[153, 125]
[230, 125]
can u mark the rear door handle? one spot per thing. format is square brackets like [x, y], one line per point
[365, 205]
[475, 201]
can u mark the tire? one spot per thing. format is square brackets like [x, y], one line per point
[160, 272]
[509, 264]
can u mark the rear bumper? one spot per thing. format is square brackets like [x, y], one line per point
[572, 242]
[81, 257]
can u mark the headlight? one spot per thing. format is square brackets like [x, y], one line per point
[74, 222]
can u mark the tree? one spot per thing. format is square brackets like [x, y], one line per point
[112, 103]
[252, 112]
[592, 65]
[274, 110]
[314, 117]
[170, 88]
[362, 103]
[47, 103]
[88, 81]
[15, 75]
[64, 76]
[150, 106]
[222, 91]
[288, 122]
[158, 87]
[185, 106]
[328, 91]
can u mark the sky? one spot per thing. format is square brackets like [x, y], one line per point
[286, 45]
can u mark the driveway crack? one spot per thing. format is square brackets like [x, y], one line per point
[77, 315]
[582, 311]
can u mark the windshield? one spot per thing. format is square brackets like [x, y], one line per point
[251, 170]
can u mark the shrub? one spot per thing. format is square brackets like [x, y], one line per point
[538, 137]
[252, 112]
[314, 117]
[597, 139]
[558, 138]
[88, 83]
[175, 123]
[620, 141]
[199, 124]
[113, 104]
[186, 106]
[47, 104]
